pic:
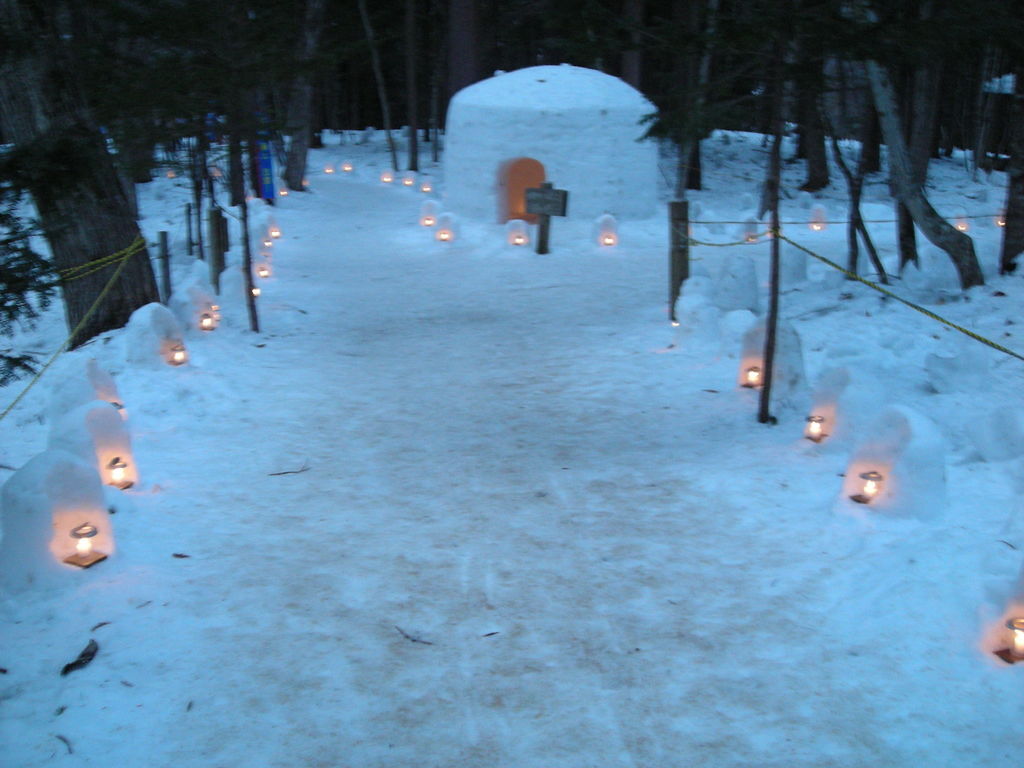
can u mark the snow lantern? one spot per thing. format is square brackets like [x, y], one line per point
[274, 232]
[788, 370]
[961, 221]
[97, 434]
[266, 242]
[899, 467]
[428, 213]
[818, 218]
[305, 182]
[154, 334]
[82, 385]
[446, 229]
[53, 513]
[328, 168]
[607, 231]
[517, 232]
[518, 129]
[283, 192]
[387, 177]
[822, 420]
[263, 269]
[1001, 219]
[193, 302]
[409, 179]
[347, 166]
[426, 186]
[256, 291]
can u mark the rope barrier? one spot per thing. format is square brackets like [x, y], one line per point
[128, 252]
[994, 216]
[875, 286]
[137, 244]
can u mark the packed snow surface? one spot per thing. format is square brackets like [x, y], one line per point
[462, 505]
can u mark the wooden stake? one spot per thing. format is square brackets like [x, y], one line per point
[679, 252]
[165, 268]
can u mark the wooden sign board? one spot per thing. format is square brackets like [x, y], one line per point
[547, 201]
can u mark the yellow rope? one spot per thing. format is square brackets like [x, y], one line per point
[81, 323]
[891, 295]
[137, 244]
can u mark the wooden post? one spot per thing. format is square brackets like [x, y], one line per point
[543, 230]
[225, 237]
[213, 236]
[165, 268]
[188, 227]
[679, 252]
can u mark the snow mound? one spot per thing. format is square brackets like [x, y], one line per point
[85, 382]
[97, 434]
[999, 435]
[42, 503]
[151, 335]
[788, 377]
[908, 451]
[735, 285]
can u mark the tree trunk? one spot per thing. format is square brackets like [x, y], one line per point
[696, 74]
[82, 205]
[813, 136]
[300, 105]
[871, 147]
[463, 45]
[772, 185]
[1013, 215]
[411, 97]
[632, 57]
[938, 231]
[378, 76]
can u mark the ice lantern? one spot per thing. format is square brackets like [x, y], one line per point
[426, 186]
[175, 353]
[815, 429]
[1016, 649]
[445, 228]
[428, 213]
[409, 179]
[43, 504]
[607, 231]
[84, 556]
[870, 488]
[387, 177]
[83, 385]
[517, 232]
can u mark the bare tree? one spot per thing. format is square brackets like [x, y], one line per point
[378, 76]
[1013, 215]
[910, 192]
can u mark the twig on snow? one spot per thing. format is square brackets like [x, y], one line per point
[411, 638]
[86, 656]
[66, 744]
[303, 468]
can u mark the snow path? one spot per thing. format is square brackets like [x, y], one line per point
[515, 544]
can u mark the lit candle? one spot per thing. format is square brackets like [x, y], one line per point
[283, 192]
[408, 180]
[275, 232]
[518, 239]
[305, 182]
[347, 167]
[815, 428]
[328, 169]
[608, 239]
[752, 377]
[206, 322]
[1000, 219]
[256, 290]
[118, 470]
[428, 220]
[387, 177]
[962, 225]
[215, 308]
[426, 187]
[83, 538]
[872, 486]
[171, 174]
[444, 235]
[1016, 627]
[267, 242]
[178, 354]
[263, 270]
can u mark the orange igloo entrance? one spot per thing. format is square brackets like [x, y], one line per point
[514, 178]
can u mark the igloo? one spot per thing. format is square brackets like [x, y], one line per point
[578, 128]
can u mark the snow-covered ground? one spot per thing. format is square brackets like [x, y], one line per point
[537, 527]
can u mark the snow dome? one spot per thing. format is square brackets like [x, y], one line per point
[577, 128]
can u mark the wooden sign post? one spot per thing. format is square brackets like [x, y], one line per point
[545, 201]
